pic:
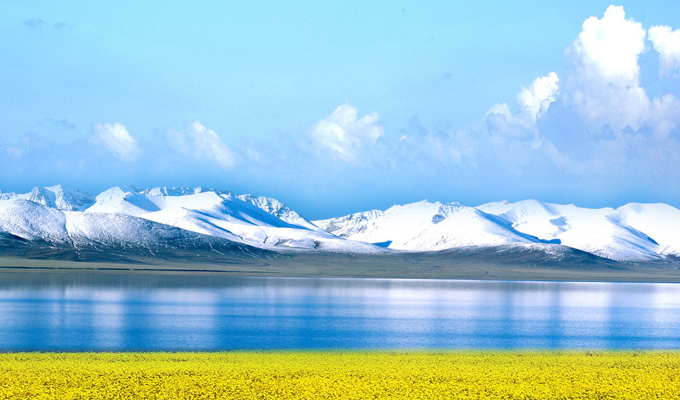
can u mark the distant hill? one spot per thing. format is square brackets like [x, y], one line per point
[166, 222]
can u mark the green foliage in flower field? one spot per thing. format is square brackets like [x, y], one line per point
[346, 375]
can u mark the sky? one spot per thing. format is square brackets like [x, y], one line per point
[341, 107]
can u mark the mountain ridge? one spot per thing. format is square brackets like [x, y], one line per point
[633, 232]
[129, 217]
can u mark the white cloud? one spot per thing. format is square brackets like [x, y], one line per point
[344, 134]
[605, 88]
[117, 139]
[608, 48]
[503, 124]
[665, 115]
[201, 144]
[667, 42]
[535, 100]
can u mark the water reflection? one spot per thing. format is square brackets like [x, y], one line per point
[153, 312]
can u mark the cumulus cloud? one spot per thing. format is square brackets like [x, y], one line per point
[666, 41]
[537, 98]
[117, 139]
[600, 93]
[202, 144]
[601, 119]
[605, 88]
[508, 141]
[344, 134]
[600, 116]
[608, 49]
[502, 124]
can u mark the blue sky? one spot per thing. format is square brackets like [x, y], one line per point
[338, 108]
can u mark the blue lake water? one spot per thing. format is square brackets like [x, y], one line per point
[51, 312]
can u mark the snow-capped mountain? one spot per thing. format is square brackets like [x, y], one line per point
[634, 232]
[427, 226]
[184, 218]
[603, 232]
[59, 197]
[278, 209]
[125, 215]
[256, 221]
[30, 221]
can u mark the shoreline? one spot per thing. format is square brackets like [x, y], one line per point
[338, 266]
[226, 274]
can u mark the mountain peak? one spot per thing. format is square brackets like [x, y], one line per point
[277, 209]
[59, 197]
[634, 232]
[181, 191]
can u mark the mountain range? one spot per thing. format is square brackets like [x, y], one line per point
[147, 221]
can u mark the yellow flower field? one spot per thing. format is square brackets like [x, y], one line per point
[346, 375]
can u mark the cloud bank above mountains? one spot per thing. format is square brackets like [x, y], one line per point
[344, 134]
[593, 134]
[117, 139]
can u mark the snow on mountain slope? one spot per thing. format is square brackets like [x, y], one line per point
[127, 216]
[352, 225]
[257, 221]
[426, 226]
[278, 209]
[660, 222]
[124, 200]
[602, 232]
[59, 197]
[529, 216]
[635, 232]
[46, 225]
[33, 221]
[70, 199]
[217, 215]
[179, 191]
[116, 230]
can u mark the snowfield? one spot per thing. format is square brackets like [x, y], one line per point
[634, 232]
[125, 216]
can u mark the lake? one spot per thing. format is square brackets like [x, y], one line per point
[113, 312]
